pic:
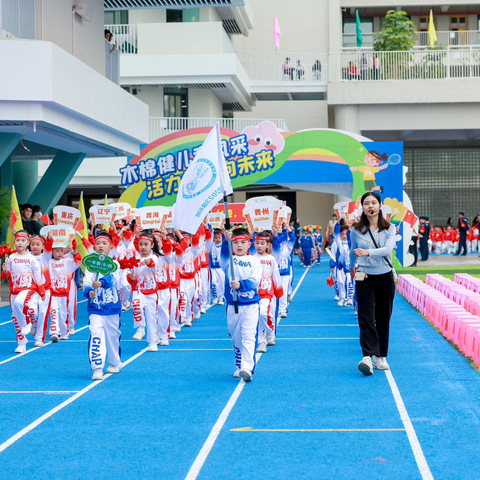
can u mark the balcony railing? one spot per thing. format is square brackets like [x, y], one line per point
[302, 67]
[161, 126]
[450, 39]
[124, 37]
[411, 65]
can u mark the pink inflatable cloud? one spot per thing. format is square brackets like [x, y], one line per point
[264, 136]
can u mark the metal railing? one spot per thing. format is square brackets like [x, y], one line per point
[447, 38]
[302, 67]
[161, 126]
[412, 65]
[124, 38]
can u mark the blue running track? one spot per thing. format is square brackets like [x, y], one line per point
[308, 414]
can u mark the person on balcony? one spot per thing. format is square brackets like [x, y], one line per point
[300, 69]
[363, 67]
[288, 68]
[317, 70]
[352, 71]
[376, 65]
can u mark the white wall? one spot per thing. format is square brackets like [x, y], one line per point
[153, 97]
[147, 16]
[203, 103]
[85, 40]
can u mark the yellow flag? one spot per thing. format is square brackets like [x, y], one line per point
[18, 222]
[84, 231]
[432, 34]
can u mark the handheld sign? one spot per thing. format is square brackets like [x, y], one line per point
[99, 263]
[262, 212]
[216, 220]
[122, 210]
[102, 214]
[152, 217]
[63, 215]
[62, 235]
[170, 217]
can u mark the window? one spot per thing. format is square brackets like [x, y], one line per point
[118, 17]
[175, 102]
[174, 16]
[423, 29]
[458, 24]
[350, 32]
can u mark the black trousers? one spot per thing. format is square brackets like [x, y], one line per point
[375, 297]
[462, 244]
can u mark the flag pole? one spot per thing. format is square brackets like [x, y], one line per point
[227, 223]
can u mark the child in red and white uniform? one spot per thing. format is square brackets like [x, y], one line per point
[270, 288]
[470, 239]
[216, 272]
[449, 236]
[62, 268]
[438, 239]
[187, 279]
[24, 275]
[176, 259]
[125, 250]
[456, 238]
[41, 249]
[204, 249]
[476, 237]
[163, 286]
[144, 291]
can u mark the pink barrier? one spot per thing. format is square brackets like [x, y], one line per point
[450, 306]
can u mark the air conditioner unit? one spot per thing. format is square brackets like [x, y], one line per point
[83, 11]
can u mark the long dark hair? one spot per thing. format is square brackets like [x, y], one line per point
[363, 225]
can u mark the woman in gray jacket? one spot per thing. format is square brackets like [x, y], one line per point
[373, 239]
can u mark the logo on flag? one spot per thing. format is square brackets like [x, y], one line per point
[199, 179]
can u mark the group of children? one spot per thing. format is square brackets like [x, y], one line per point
[167, 279]
[445, 240]
[310, 243]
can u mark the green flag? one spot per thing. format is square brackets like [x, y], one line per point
[359, 32]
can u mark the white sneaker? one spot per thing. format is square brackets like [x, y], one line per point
[262, 348]
[380, 363]
[97, 374]
[341, 302]
[152, 347]
[336, 298]
[366, 366]
[348, 303]
[139, 334]
[26, 329]
[33, 331]
[203, 310]
[289, 299]
[355, 313]
[271, 339]
[164, 342]
[21, 349]
[237, 373]
[39, 343]
[283, 315]
[186, 324]
[215, 301]
[196, 316]
[71, 331]
[54, 338]
[246, 375]
[113, 369]
[172, 334]
[221, 302]
[64, 336]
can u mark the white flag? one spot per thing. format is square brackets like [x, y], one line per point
[203, 184]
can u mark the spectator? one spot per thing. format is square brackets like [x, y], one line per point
[34, 222]
[330, 229]
[300, 68]
[376, 65]
[317, 70]
[463, 228]
[26, 214]
[288, 68]
[109, 38]
[363, 67]
[352, 71]
[424, 236]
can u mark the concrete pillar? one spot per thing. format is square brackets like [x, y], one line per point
[347, 118]
[8, 142]
[25, 178]
[56, 180]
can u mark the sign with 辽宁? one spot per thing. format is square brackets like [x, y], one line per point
[102, 214]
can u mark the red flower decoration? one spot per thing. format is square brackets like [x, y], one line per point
[128, 263]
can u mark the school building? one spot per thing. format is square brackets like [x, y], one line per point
[190, 63]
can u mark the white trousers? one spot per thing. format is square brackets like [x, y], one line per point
[266, 323]
[204, 286]
[42, 316]
[163, 312]
[242, 328]
[24, 309]
[186, 306]
[283, 301]
[145, 313]
[174, 310]
[104, 340]
[72, 305]
[59, 314]
[218, 283]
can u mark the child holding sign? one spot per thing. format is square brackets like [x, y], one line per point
[25, 279]
[104, 310]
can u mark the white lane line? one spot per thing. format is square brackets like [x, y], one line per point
[45, 392]
[217, 428]
[4, 323]
[36, 348]
[53, 411]
[412, 436]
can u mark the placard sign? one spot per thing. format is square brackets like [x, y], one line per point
[102, 214]
[170, 217]
[261, 213]
[63, 215]
[122, 210]
[152, 217]
[62, 235]
[216, 220]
